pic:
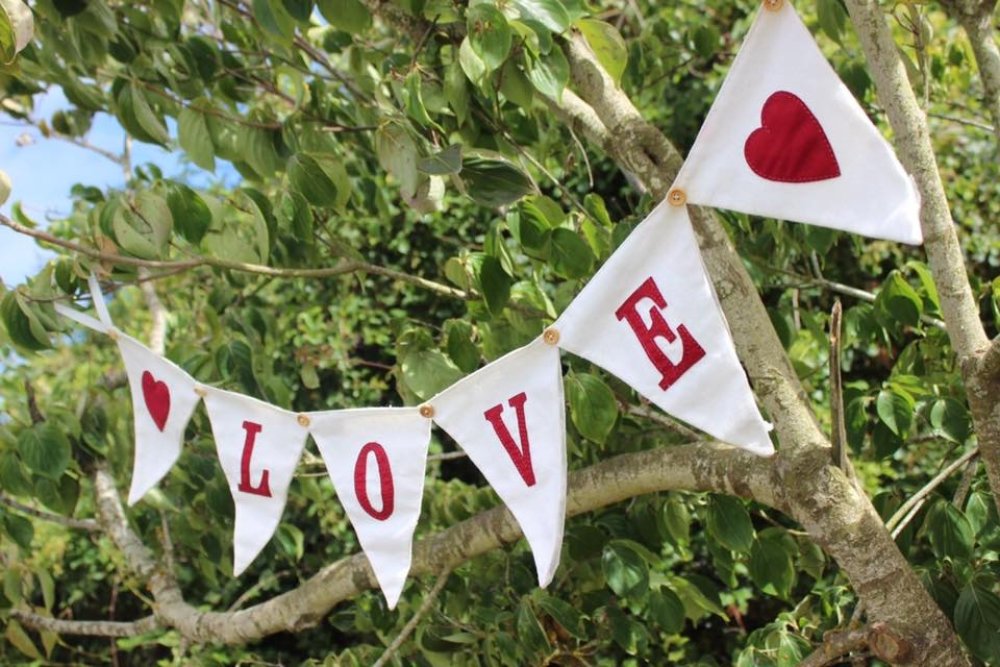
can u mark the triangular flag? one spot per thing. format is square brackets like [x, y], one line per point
[377, 458]
[259, 447]
[510, 418]
[163, 400]
[786, 139]
[649, 316]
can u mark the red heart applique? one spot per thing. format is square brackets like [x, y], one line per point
[157, 395]
[790, 145]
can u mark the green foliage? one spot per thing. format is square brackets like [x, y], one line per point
[318, 135]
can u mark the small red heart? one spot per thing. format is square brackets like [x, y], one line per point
[790, 145]
[157, 395]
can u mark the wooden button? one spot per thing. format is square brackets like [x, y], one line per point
[551, 336]
[677, 197]
[113, 334]
[427, 411]
[200, 391]
[303, 420]
[773, 5]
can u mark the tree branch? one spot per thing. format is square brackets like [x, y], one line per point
[976, 17]
[699, 466]
[929, 488]
[989, 362]
[69, 522]
[346, 266]
[836, 644]
[88, 628]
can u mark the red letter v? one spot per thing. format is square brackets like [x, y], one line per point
[520, 456]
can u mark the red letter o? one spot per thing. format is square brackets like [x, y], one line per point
[385, 481]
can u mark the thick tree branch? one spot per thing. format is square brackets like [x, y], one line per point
[87, 628]
[836, 644]
[912, 140]
[976, 17]
[965, 330]
[989, 363]
[699, 466]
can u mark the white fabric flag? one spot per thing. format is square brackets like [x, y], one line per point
[650, 317]
[163, 400]
[786, 139]
[377, 459]
[259, 447]
[510, 418]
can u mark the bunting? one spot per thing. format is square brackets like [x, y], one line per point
[784, 139]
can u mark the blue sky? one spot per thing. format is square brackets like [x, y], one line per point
[43, 173]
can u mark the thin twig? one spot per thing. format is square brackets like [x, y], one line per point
[962, 121]
[968, 475]
[918, 497]
[69, 522]
[838, 430]
[411, 625]
[661, 420]
[345, 267]
[446, 456]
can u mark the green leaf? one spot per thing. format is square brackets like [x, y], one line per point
[977, 620]
[771, 567]
[563, 613]
[895, 409]
[949, 531]
[45, 449]
[428, 372]
[623, 630]
[571, 256]
[19, 639]
[489, 35]
[300, 10]
[154, 218]
[349, 15]
[667, 610]
[461, 348]
[272, 17]
[195, 139]
[494, 283]
[607, 44]
[321, 179]
[592, 406]
[899, 301]
[677, 520]
[473, 66]
[17, 27]
[456, 90]
[140, 119]
[728, 522]
[529, 630]
[12, 479]
[951, 419]
[493, 180]
[550, 13]
[625, 570]
[398, 154]
[22, 324]
[832, 18]
[549, 73]
[442, 163]
[189, 211]
[696, 603]
[20, 530]
[515, 86]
